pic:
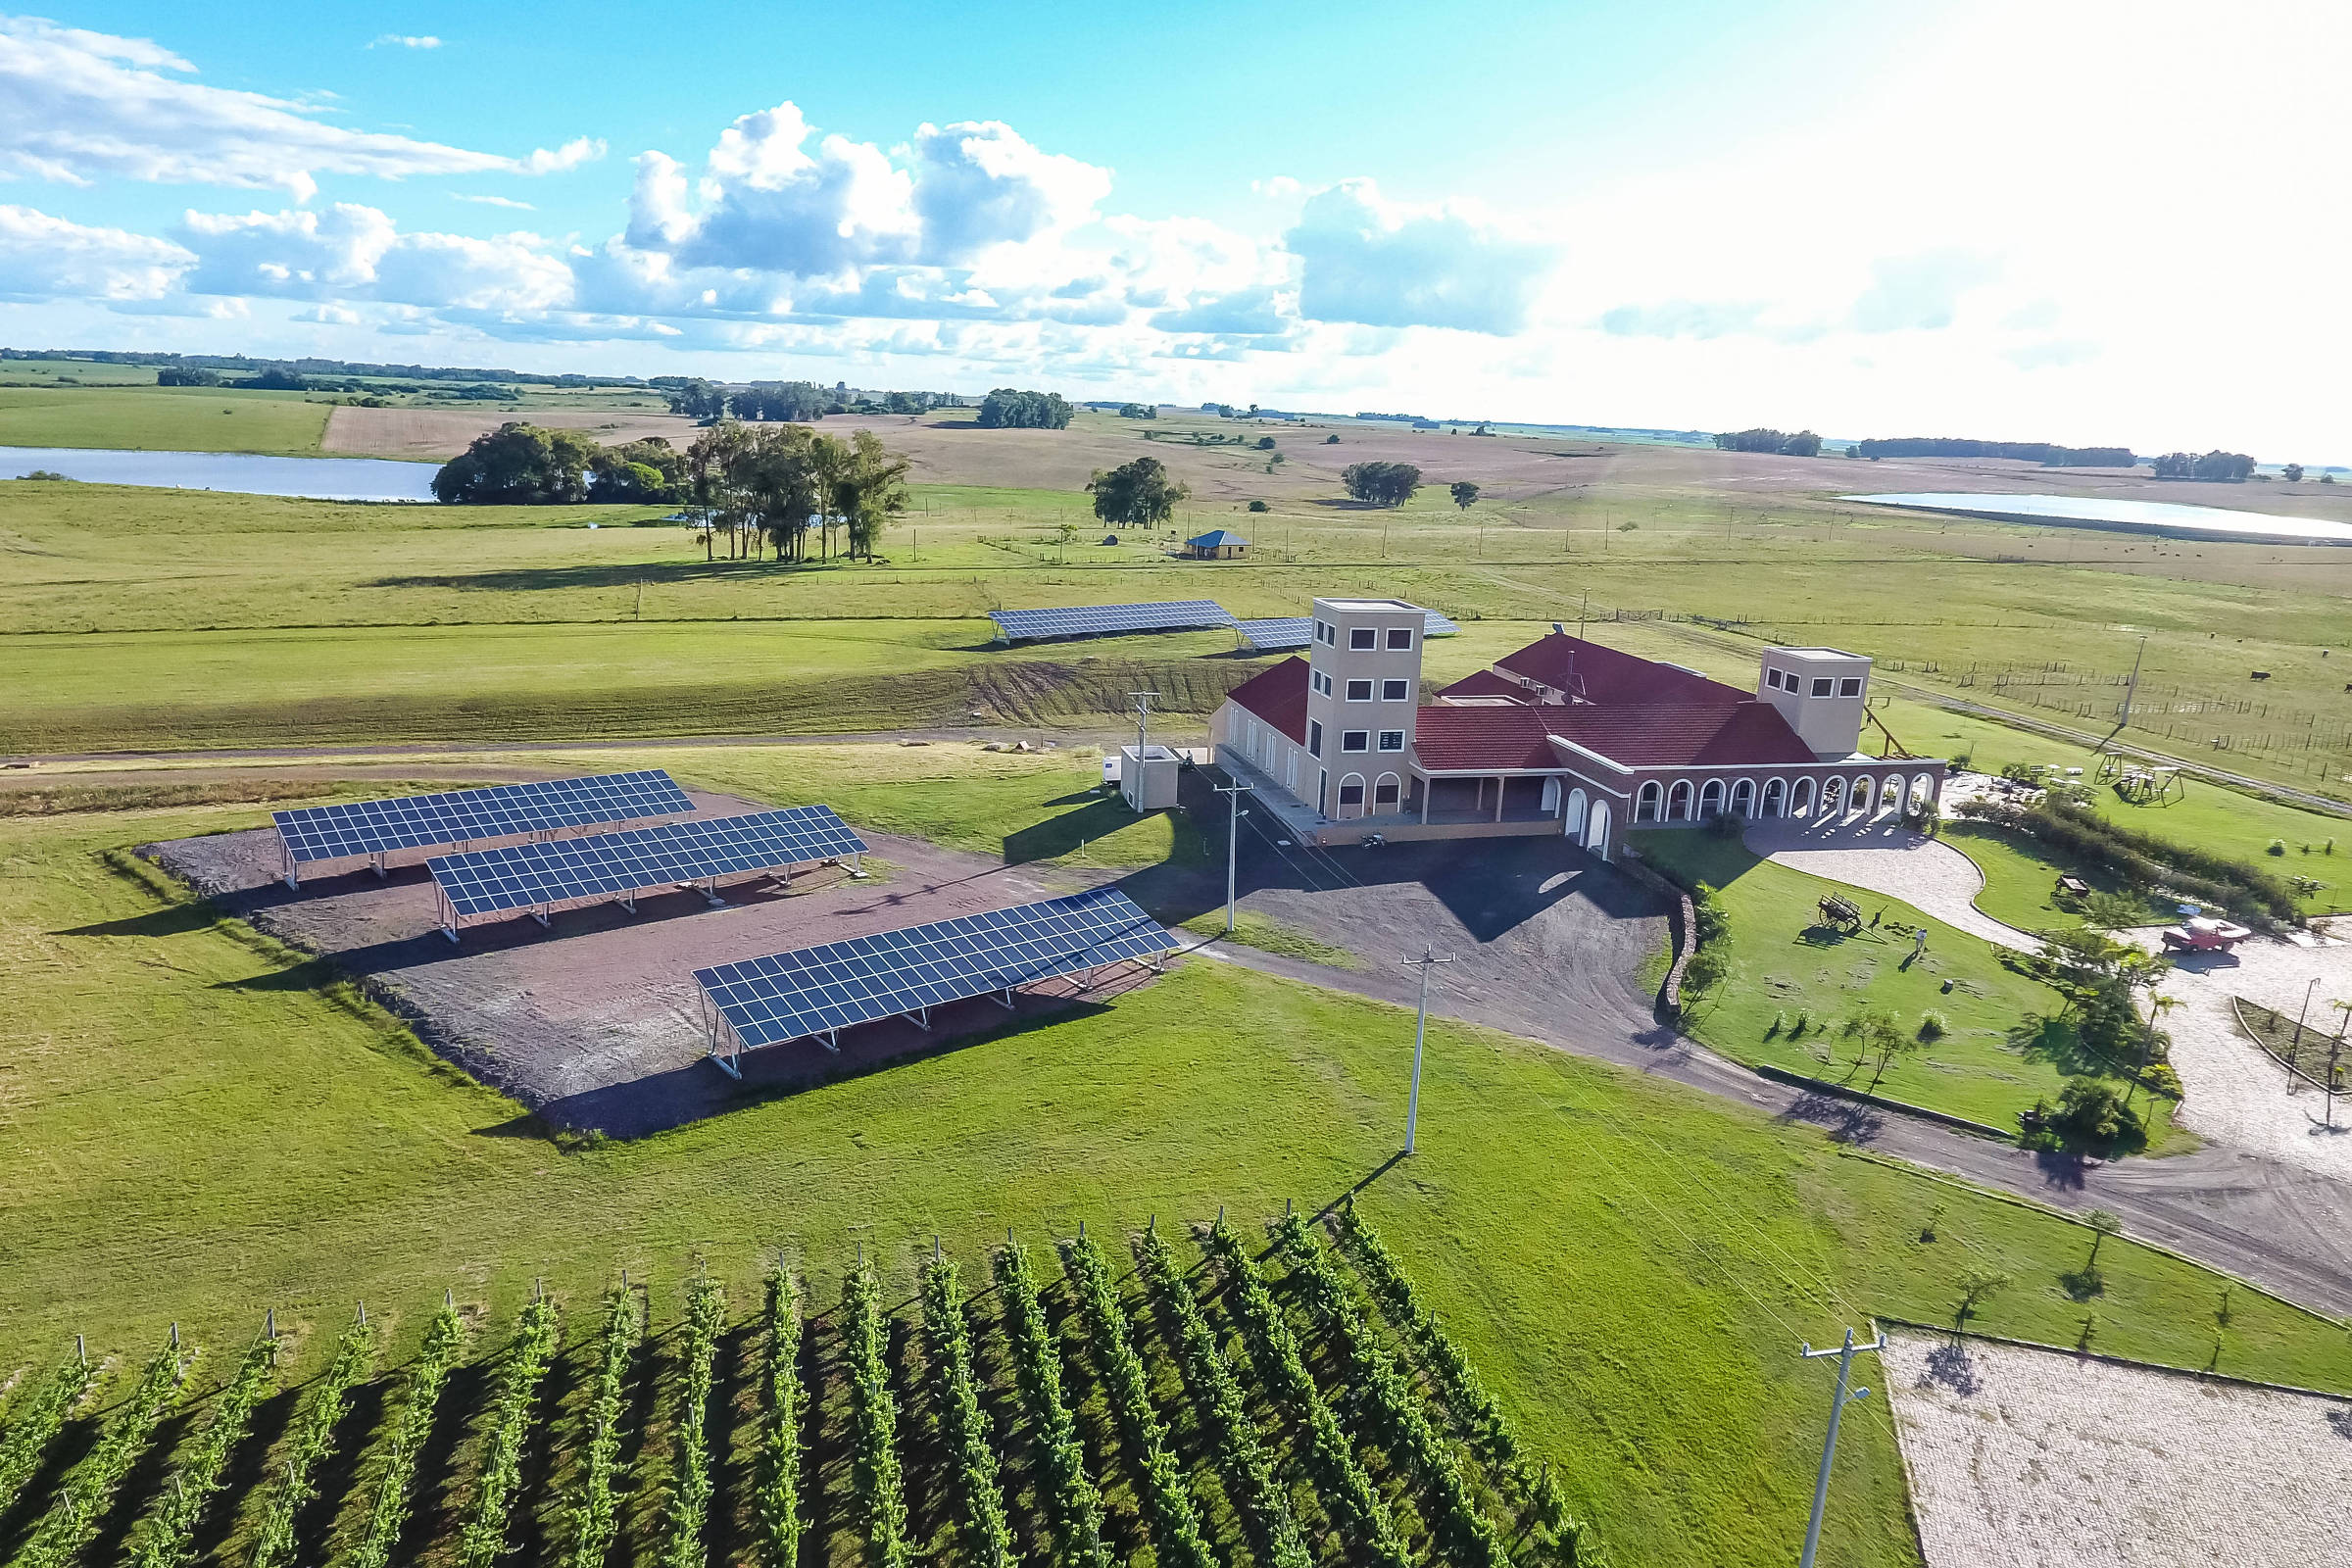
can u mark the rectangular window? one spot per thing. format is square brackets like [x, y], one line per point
[1851, 686]
[1400, 640]
[1320, 682]
[1322, 632]
[1821, 686]
[1391, 740]
[1356, 740]
[1361, 637]
[1396, 691]
[1383, 792]
[1314, 737]
[1353, 792]
[1772, 678]
[1360, 691]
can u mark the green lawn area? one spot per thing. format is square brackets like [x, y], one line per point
[2021, 874]
[1785, 963]
[168, 419]
[1630, 1265]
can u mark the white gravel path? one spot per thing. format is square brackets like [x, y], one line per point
[2237, 1095]
[2023, 1458]
[1880, 854]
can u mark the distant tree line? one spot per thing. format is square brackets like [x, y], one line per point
[2041, 452]
[2229, 467]
[1803, 444]
[317, 369]
[522, 464]
[795, 402]
[1383, 484]
[1009, 408]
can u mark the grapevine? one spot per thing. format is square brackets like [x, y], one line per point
[988, 1539]
[690, 1494]
[780, 1403]
[1464, 1532]
[881, 1492]
[73, 1518]
[484, 1534]
[170, 1534]
[389, 1511]
[595, 1516]
[33, 1424]
[1175, 1521]
[1249, 1473]
[309, 1444]
[1274, 1349]
[1076, 1505]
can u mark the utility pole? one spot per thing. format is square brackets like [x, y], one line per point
[2132, 687]
[1143, 732]
[1233, 794]
[1412, 1106]
[1828, 1447]
[2297, 1043]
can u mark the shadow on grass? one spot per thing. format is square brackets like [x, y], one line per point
[618, 575]
[1070, 831]
[174, 920]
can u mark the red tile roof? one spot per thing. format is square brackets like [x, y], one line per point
[1681, 735]
[1593, 673]
[1501, 737]
[1277, 695]
[1485, 683]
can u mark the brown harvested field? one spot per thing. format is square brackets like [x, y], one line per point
[594, 1022]
[420, 434]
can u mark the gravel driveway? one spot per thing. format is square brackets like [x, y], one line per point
[1881, 856]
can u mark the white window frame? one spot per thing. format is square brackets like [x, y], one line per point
[1851, 686]
[1314, 737]
[1823, 686]
[1353, 684]
[1396, 691]
[1400, 640]
[1370, 636]
[1353, 741]
[1391, 740]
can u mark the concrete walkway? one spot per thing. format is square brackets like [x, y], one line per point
[1881, 856]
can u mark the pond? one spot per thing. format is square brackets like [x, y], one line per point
[243, 473]
[2137, 517]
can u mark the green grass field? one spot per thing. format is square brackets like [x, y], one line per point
[1628, 1263]
[2021, 877]
[1786, 966]
[163, 419]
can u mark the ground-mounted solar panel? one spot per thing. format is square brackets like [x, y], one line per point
[364, 828]
[1108, 620]
[1273, 636]
[541, 875]
[1434, 624]
[819, 991]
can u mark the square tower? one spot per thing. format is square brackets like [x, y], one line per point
[1363, 684]
[1821, 692]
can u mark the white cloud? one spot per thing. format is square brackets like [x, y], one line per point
[76, 107]
[571, 155]
[411, 40]
[492, 201]
[1379, 263]
[350, 252]
[43, 257]
[1922, 292]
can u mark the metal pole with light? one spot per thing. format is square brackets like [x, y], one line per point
[1413, 1105]
[1828, 1447]
[1233, 794]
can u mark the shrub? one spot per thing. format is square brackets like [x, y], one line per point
[1934, 1026]
[2164, 1080]
[1724, 825]
[1258, 506]
[1331, 440]
[2091, 1115]
[1708, 920]
[2276, 847]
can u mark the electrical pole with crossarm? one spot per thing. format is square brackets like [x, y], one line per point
[1412, 1106]
[1233, 794]
[1828, 1447]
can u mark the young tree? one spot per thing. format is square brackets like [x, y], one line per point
[2292, 474]
[1136, 495]
[1465, 494]
[869, 491]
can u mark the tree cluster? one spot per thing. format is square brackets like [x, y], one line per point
[776, 485]
[2143, 860]
[1382, 484]
[269, 381]
[1136, 495]
[522, 464]
[2041, 452]
[1803, 444]
[1009, 408]
[2229, 467]
[1139, 411]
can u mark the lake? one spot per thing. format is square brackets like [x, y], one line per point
[242, 473]
[2142, 517]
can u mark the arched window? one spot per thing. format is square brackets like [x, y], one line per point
[1743, 798]
[1891, 792]
[1351, 796]
[1387, 791]
[1864, 790]
[1775, 792]
[1573, 822]
[1597, 828]
[1678, 801]
[1710, 799]
[1833, 796]
[1923, 790]
[1801, 803]
[1646, 808]
[1551, 796]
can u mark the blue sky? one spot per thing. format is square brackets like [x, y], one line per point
[2062, 219]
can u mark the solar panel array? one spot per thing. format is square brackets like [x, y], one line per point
[461, 816]
[1102, 620]
[1268, 636]
[528, 877]
[791, 995]
[1434, 624]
